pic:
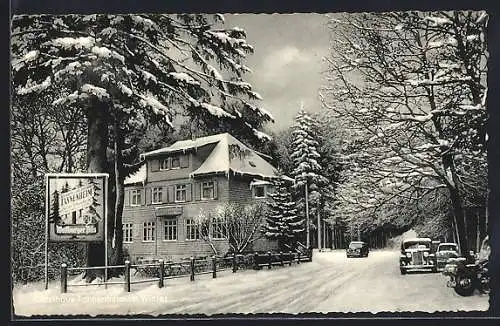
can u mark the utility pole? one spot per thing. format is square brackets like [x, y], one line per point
[307, 216]
[359, 234]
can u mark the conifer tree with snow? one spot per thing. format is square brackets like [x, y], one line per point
[125, 71]
[307, 171]
[282, 222]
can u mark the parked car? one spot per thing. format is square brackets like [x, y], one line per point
[357, 249]
[417, 254]
[445, 251]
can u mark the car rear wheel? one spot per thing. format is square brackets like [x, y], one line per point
[403, 271]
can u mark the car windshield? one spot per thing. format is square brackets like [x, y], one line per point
[416, 245]
[448, 247]
[355, 245]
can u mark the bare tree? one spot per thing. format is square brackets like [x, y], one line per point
[241, 224]
[410, 88]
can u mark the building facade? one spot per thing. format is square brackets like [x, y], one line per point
[185, 183]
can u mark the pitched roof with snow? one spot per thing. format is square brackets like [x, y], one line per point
[137, 177]
[228, 155]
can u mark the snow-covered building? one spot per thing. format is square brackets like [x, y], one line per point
[177, 185]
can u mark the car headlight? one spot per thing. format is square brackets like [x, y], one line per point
[426, 254]
[408, 255]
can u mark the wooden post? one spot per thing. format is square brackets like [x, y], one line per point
[192, 269]
[256, 260]
[298, 257]
[235, 266]
[269, 260]
[214, 267]
[290, 258]
[161, 272]
[127, 276]
[281, 259]
[64, 278]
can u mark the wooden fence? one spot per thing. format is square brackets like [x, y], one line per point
[160, 271]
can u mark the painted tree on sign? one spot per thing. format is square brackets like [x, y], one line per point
[125, 71]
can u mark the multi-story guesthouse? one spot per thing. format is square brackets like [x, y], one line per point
[191, 178]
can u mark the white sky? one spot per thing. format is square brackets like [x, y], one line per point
[287, 62]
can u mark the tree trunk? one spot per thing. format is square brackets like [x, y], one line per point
[116, 232]
[97, 143]
[459, 218]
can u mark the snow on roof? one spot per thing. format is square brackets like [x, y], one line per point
[184, 145]
[232, 155]
[137, 177]
[228, 155]
[259, 183]
[417, 240]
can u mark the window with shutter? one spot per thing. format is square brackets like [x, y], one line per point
[135, 197]
[157, 195]
[207, 190]
[180, 193]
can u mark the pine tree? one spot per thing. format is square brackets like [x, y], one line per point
[283, 223]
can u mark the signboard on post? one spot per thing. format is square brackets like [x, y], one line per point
[76, 207]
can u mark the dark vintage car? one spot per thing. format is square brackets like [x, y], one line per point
[445, 251]
[357, 249]
[417, 254]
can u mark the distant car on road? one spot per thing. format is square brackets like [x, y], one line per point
[416, 254]
[445, 251]
[357, 249]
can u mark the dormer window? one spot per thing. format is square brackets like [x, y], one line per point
[175, 162]
[259, 191]
[260, 188]
[164, 164]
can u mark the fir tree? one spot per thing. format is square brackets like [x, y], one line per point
[307, 171]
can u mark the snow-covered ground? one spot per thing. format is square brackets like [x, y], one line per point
[331, 283]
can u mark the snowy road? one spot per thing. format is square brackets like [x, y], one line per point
[331, 283]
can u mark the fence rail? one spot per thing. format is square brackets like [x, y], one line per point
[164, 271]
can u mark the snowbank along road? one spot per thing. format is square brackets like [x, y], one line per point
[331, 283]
